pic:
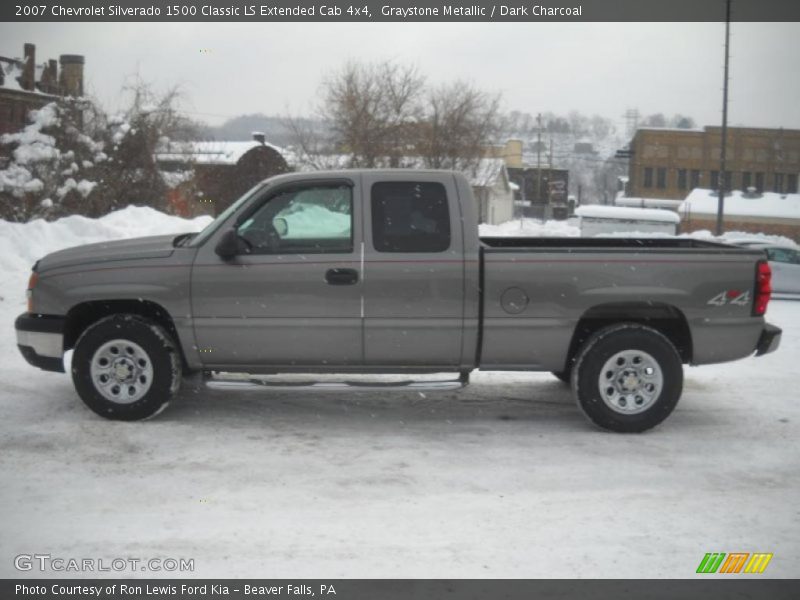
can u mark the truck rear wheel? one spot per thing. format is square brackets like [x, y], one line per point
[627, 378]
[126, 368]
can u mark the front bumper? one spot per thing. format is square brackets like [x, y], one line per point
[769, 340]
[40, 339]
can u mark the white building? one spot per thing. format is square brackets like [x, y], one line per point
[594, 219]
[492, 190]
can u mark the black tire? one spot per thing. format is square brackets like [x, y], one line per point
[565, 376]
[613, 406]
[153, 368]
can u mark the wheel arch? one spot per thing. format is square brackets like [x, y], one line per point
[81, 316]
[665, 318]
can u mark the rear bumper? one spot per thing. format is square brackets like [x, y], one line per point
[40, 339]
[769, 340]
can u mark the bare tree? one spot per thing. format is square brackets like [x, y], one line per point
[150, 123]
[373, 110]
[312, 145]
[382, 114]
[460, 121]
[654, 120]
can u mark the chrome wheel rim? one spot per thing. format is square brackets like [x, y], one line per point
[630, 382]
[121, 371]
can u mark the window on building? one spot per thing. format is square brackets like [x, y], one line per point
[694, 179]
[714, 180]
[747, 180]
[408, 216]
[777, 185]
[728, 180]
[648, 177]
[759, 182]
[661, 178]
[682, 180]
[791, 183]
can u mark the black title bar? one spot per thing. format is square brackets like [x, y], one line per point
[397, 10]
[402, 589]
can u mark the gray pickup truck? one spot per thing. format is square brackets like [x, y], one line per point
[383, 272]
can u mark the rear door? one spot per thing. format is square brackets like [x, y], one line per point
[294, 298]
[413, 270]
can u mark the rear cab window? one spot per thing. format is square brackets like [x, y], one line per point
[410, 216]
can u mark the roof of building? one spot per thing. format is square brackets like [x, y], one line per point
[210, 153]
[596, 211]
[487, 172]
[702, 201]
[622, 200]
[678, 129]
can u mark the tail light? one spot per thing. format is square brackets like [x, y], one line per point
[34, 279]
[763, 288]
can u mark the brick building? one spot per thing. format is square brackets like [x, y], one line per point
[209, 176]
[751, 212]
[26, 85]
[668, 163]
[536, 197]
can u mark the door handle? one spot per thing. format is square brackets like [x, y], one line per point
[341, 276]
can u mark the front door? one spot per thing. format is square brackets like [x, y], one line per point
[292, 297]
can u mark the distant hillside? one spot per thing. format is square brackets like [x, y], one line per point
[241, 128]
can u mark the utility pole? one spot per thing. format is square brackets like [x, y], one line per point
[632, 120]
[539, 159]
[723, 179]
[550, 170]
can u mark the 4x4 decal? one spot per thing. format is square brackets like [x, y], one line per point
[736, 297]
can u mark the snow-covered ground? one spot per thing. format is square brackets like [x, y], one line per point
[502, 479]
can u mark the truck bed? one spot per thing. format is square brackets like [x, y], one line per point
[548, 286]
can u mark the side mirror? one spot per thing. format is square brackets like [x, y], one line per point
[281, 226]
[228, 245]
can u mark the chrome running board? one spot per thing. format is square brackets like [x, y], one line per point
[247, 385]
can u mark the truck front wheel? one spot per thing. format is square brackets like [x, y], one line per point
[627, 378]
[126, 368]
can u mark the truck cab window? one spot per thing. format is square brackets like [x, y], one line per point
[310, 220]
[410, 217]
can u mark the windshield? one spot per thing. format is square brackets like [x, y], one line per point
[209, 230]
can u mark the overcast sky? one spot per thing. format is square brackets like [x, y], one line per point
[601, 68]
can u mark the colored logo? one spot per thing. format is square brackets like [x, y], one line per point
[735, 562]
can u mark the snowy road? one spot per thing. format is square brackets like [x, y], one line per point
[503, 479]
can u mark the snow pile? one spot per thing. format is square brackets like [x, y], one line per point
[729, 237]
[173, 179]
[10, 74]
[22, 244]
[738, 237]
[530, 228]
[33, 147]
[702, 202]
[596, 211]
[19, 181]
